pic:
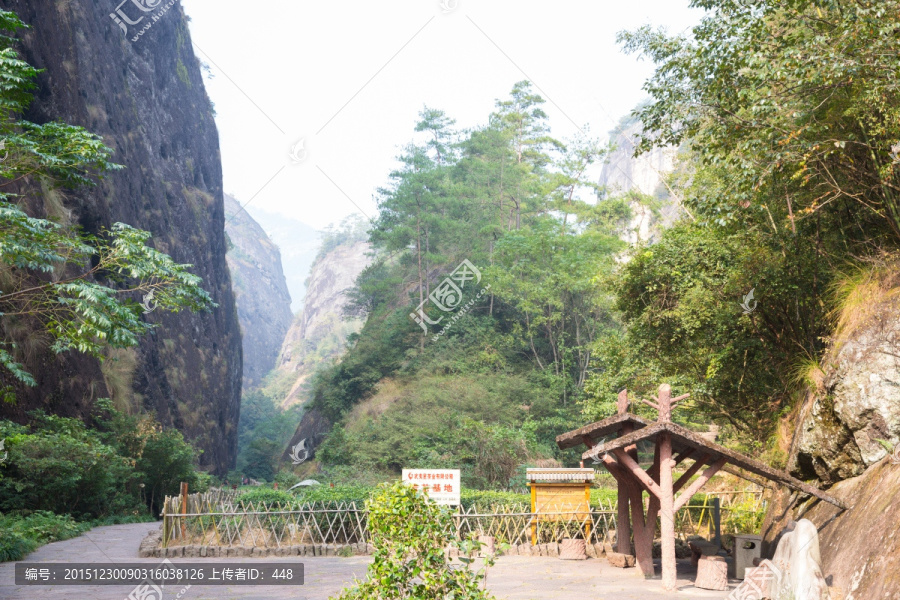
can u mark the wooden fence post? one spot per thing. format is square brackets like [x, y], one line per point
[165, 516]
[184, 500]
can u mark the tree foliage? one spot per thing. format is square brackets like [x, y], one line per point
[786, 114]
[410, 534]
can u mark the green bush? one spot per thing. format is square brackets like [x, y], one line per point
[266, 497]
[63, 467]
[338, 493]
[165, 460]
[14, 547]
[22, 534]
[44, 527]
[486, 499]
[410, 534]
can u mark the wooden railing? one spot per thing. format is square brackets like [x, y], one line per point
[220, 518]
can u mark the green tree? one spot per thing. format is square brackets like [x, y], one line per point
[80, 288]
[410, 534]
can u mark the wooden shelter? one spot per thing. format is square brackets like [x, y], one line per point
[672, 444]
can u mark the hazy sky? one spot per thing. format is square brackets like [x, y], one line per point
[349, 78]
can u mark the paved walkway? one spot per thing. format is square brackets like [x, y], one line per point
[513, 578]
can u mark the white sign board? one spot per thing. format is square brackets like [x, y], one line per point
[441, 485]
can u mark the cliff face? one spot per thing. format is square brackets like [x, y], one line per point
[623, 173]
[260, 290]
[318, 334]
[858, 403]
[298, 244]
[147, 100]
[836, 442]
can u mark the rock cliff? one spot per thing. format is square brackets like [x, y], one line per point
[260, 290]
[858, 402]
[623, 172]
[147, 99]
[319, 332]
[843, 433]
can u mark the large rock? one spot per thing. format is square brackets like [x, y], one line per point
[319, 332]
[260, 290]
[857, 405]
[623, 172]
[860, 548]
[147, 100]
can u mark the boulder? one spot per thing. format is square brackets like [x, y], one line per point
[620, 560]
[572, 549]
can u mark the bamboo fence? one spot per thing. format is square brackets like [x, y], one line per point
[220, 518]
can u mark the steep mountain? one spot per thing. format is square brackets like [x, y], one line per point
[623, 173]
[298, 243]
[140, 87]
[319, 332]
[260, 290]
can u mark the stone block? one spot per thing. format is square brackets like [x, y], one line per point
[553, 549]
[598, 550]
[487, 547]
[203, 551]
[590, 550]
[620, 560]
[712, 573]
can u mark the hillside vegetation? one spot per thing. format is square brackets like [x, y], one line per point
[787, 122]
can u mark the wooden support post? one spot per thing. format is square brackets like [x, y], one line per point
[184, 499]
[698, 464]
[533, 515]
[667, 509]
[643, 532]
[623, 525]
[643, 539]
[636, 470]
[653, 502]
[699, 483]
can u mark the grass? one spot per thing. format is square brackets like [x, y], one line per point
[860, 295]
[22, 534]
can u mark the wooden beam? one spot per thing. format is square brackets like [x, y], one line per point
[689, 438]
[685, 454]
[599, 429]
[698, 464]
[637, 471]
[650, 404]
[699, 483]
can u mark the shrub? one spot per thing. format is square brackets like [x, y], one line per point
[13, 546]
[63, 467]
[338, 493]
[165, 460]
[22, 534]
[410, 534]
[266, 497]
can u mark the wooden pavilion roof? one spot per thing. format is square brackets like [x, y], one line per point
[600, 429]
[683, 440]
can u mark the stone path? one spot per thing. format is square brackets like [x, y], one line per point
[513, 578]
